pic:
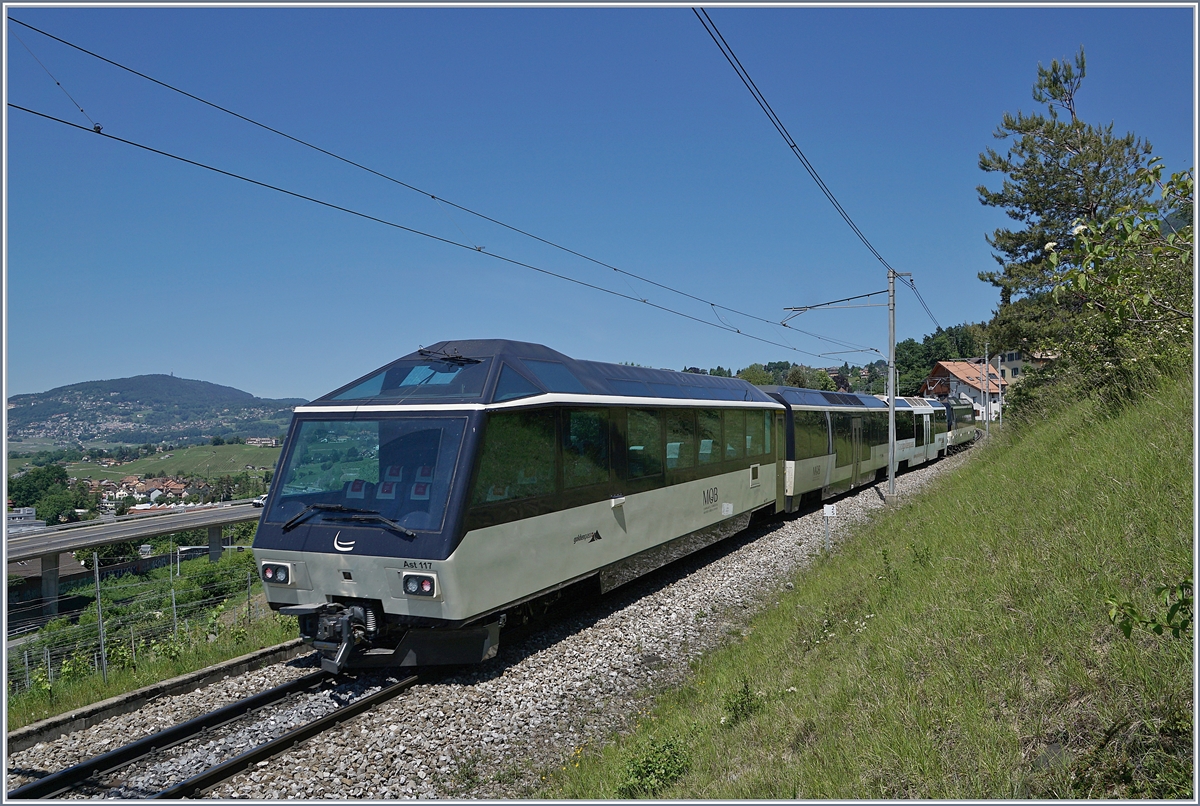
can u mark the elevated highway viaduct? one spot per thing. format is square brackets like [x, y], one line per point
[47, 544]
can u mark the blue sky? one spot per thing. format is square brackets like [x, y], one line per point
[620, 133]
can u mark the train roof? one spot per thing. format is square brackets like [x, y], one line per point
[815, 397]
[484, 371]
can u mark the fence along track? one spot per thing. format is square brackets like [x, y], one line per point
[64, 780]
[227, 769]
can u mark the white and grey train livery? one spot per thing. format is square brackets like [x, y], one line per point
[417, 508]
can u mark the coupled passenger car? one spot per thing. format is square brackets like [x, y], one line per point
[418, 507]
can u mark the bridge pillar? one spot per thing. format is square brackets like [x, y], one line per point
[214, 544]
[50, 585]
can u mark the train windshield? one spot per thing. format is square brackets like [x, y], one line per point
[399, 469]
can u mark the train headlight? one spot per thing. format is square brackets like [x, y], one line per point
[278, 573]
[420, 585]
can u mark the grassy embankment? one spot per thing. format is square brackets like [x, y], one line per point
[207, 461]
[958, 646]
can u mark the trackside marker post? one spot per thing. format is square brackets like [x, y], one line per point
[830, 512]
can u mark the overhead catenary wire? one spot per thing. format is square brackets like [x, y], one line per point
[431, 236]
[95, 126]
[440, 200]
[761, 99]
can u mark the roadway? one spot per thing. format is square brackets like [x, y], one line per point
[53, 541]
[75, 537]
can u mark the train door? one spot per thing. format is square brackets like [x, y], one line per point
[930, 445]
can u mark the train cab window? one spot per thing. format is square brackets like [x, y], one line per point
[758, 433]
[555, 376]
[681, 439]
[427, 377]
[517, 457]
[708, 432]
[735, 434]
[644, 441]
[512, 386]
[398, 467]
[585, 447]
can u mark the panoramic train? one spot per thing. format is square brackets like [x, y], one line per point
[417, 509]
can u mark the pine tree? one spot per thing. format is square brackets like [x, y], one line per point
[1056, 173]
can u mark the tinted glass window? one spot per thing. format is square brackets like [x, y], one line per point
[400, 468]
[708, 434]
[919, 428]
[585, 447]
[511, 385]
[644, 444]
[811, 434]
[681, 439]
[904, 424]
[423, 378]
[517, 457]
[555, 376]
[667, 390]
[735, 433]
[758, 433]
[843, 444]
[631, 388]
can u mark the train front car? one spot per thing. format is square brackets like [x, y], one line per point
[419, 506]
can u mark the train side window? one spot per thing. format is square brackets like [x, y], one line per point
[709, 433]
[735, 434]
[812, 438]
[517, 457]
[843, 439]
[681, 439]
[758, 432]
[880, 425]
[511, 385]
[904, 424]
[644, 442]
[585, 447]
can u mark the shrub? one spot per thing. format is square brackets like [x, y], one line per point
[741, 704]
[652, 766]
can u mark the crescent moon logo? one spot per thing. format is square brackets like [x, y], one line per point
[340, 546]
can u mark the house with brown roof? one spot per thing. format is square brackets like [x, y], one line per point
[966, 380]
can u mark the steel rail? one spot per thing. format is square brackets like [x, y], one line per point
[64, 780]
[227, 769]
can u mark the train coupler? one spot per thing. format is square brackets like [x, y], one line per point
[332, 628]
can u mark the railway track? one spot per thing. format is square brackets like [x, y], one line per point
[99, 774]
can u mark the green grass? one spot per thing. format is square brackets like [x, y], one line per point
[193, 652]
[959, 645]
[207, 461]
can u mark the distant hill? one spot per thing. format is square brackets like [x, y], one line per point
[144, 408]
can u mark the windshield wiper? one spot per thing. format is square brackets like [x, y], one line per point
[369, 516]
[304, 513]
